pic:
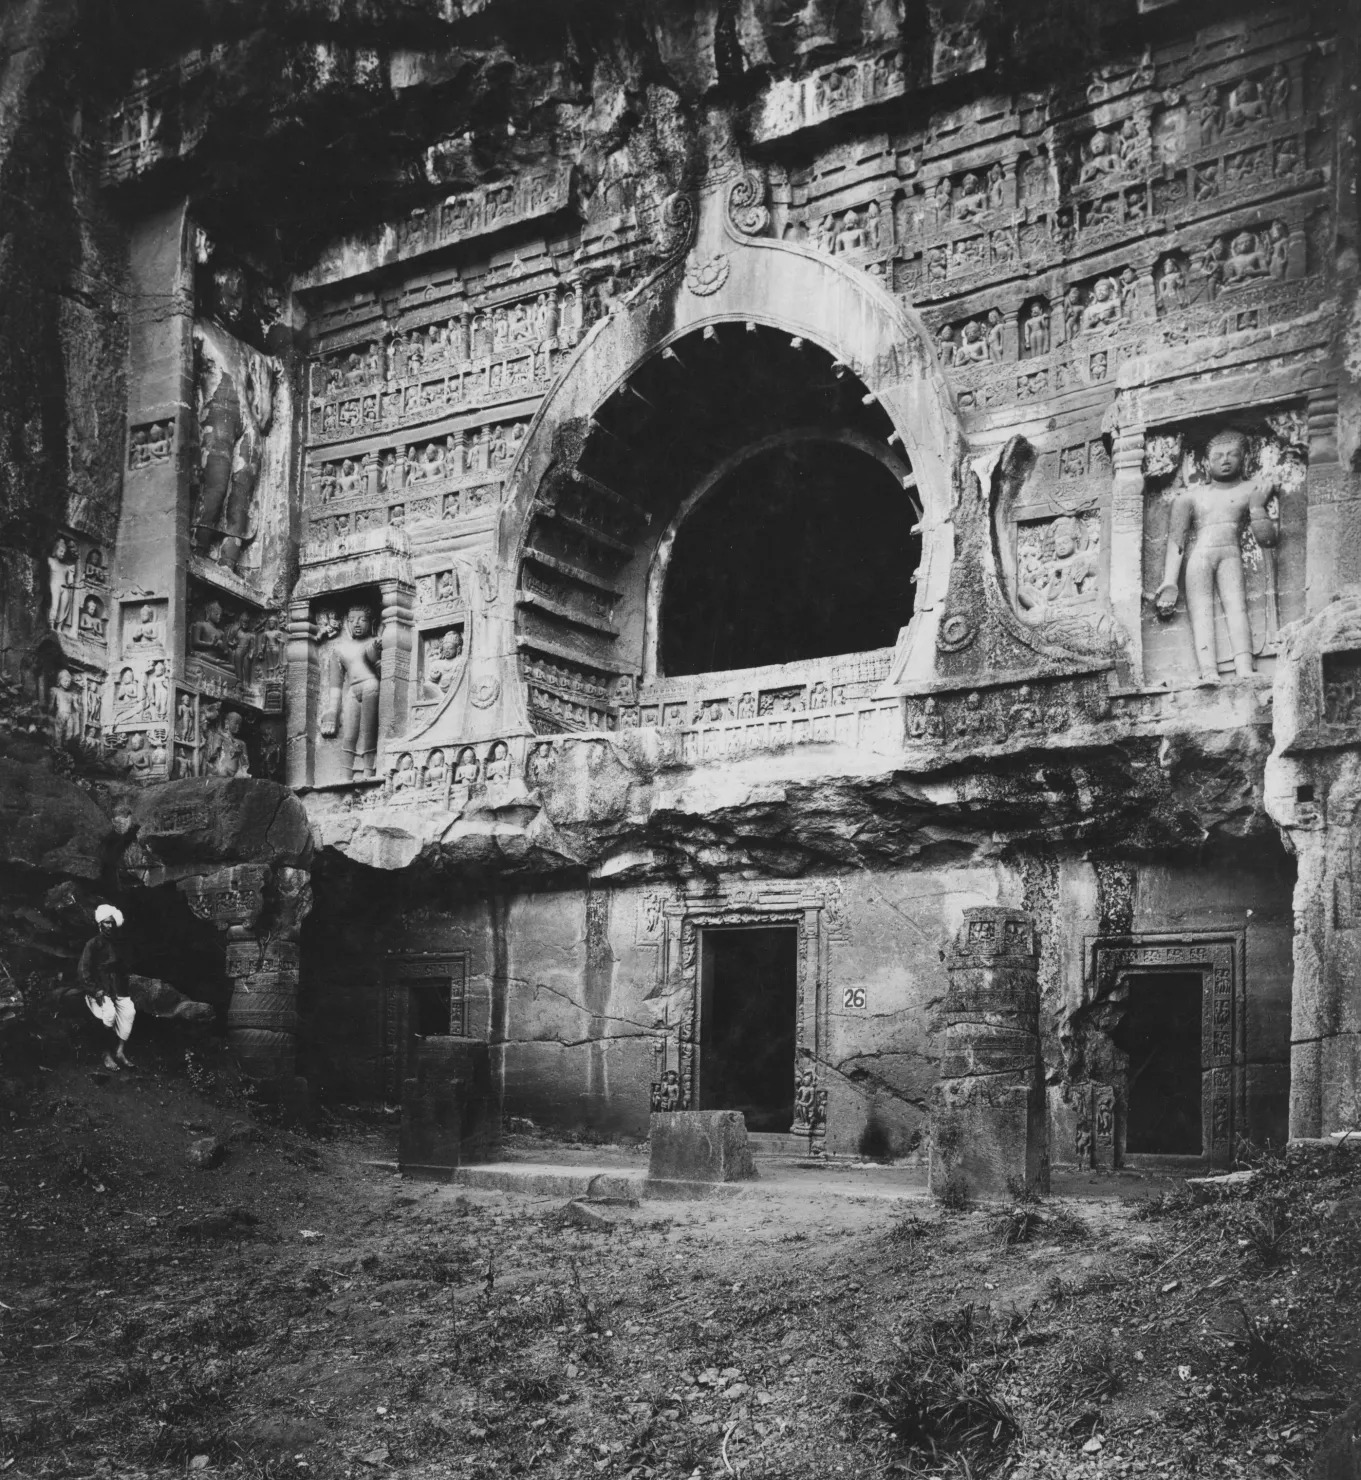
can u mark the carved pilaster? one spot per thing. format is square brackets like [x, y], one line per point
[304, 683]
[1127, 543]
[1334, 523]
[398, 600]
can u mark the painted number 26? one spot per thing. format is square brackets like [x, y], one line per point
[853, 997]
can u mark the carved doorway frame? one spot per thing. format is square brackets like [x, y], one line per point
[1221, 960]
[401, 971]
[808, 912]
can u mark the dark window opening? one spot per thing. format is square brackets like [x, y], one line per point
[434, 1009]
[1161, 1033]
[804, 551]
[748, 1013]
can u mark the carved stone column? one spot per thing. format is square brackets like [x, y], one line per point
[1127, 546]
[395, 687]
[1313, 793]
[260, 910]
[988, 1122]
[304, 685]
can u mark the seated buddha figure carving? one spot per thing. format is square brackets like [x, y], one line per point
[1245, 261]
[1205, 531]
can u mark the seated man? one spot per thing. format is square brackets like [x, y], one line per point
[103, 974]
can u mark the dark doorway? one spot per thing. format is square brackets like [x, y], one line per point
[805, 551]
[1161, 1035]
[750, 990]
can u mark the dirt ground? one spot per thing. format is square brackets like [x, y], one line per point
[297, 1312]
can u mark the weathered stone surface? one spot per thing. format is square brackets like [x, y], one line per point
[206, 1153]
[988, 1132]
[699, 1146]
[187, 826]
[46, 821]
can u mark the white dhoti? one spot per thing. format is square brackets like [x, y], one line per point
[117, 1013]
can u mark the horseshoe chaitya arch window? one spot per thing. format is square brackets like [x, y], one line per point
[739, 501]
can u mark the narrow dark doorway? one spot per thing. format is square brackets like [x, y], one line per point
[1161, 1034]
[748, 1011]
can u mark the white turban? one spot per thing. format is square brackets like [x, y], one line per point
[109, 912]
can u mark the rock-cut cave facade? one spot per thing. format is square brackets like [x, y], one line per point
[797, 559]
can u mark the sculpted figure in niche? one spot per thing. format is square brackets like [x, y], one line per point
[996, 332]
[498, 762]
[61, 565]
[269, 644]
[1035, 331]
[925, 722]
[349, 481]
[851, 237]
[1278, 90]
[946, 347]
[136, 756]
[64, 701]
[1050, 569]
[1245, 261]
[1278, 250]
[973, 343]
[1102, 309]
[206, 635]
[1205, 530]
[444, 663]
[1246, 104]
[405, 774]
[147, 632]
[243, 642]
[466, 769]
[1172, 285]
[184, 719]
[942, 197]
[156, 691]
[351, 680]
[971, 200]
[236, 407]
[225, 754]
[92, 619]
[1100, 159]
[436, 771]
[996, 187]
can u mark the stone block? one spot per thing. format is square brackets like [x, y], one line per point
[984, 1136]
[699, 1146]
[431, 1131]
[450, 1113]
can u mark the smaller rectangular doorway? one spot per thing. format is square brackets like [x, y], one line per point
[1161, 1033]
[749, 983]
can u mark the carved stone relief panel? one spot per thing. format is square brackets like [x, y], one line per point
[234, 650]
[240, 512]
[1223, 537]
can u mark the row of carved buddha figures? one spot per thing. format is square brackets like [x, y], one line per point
[1111, 301]
[485, 450]
[556, 319]
[467, 770]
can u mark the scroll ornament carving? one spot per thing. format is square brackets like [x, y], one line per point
[746, 205]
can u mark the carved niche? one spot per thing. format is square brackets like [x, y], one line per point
[1223, 514]
[242, 439]
[1048, 547]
